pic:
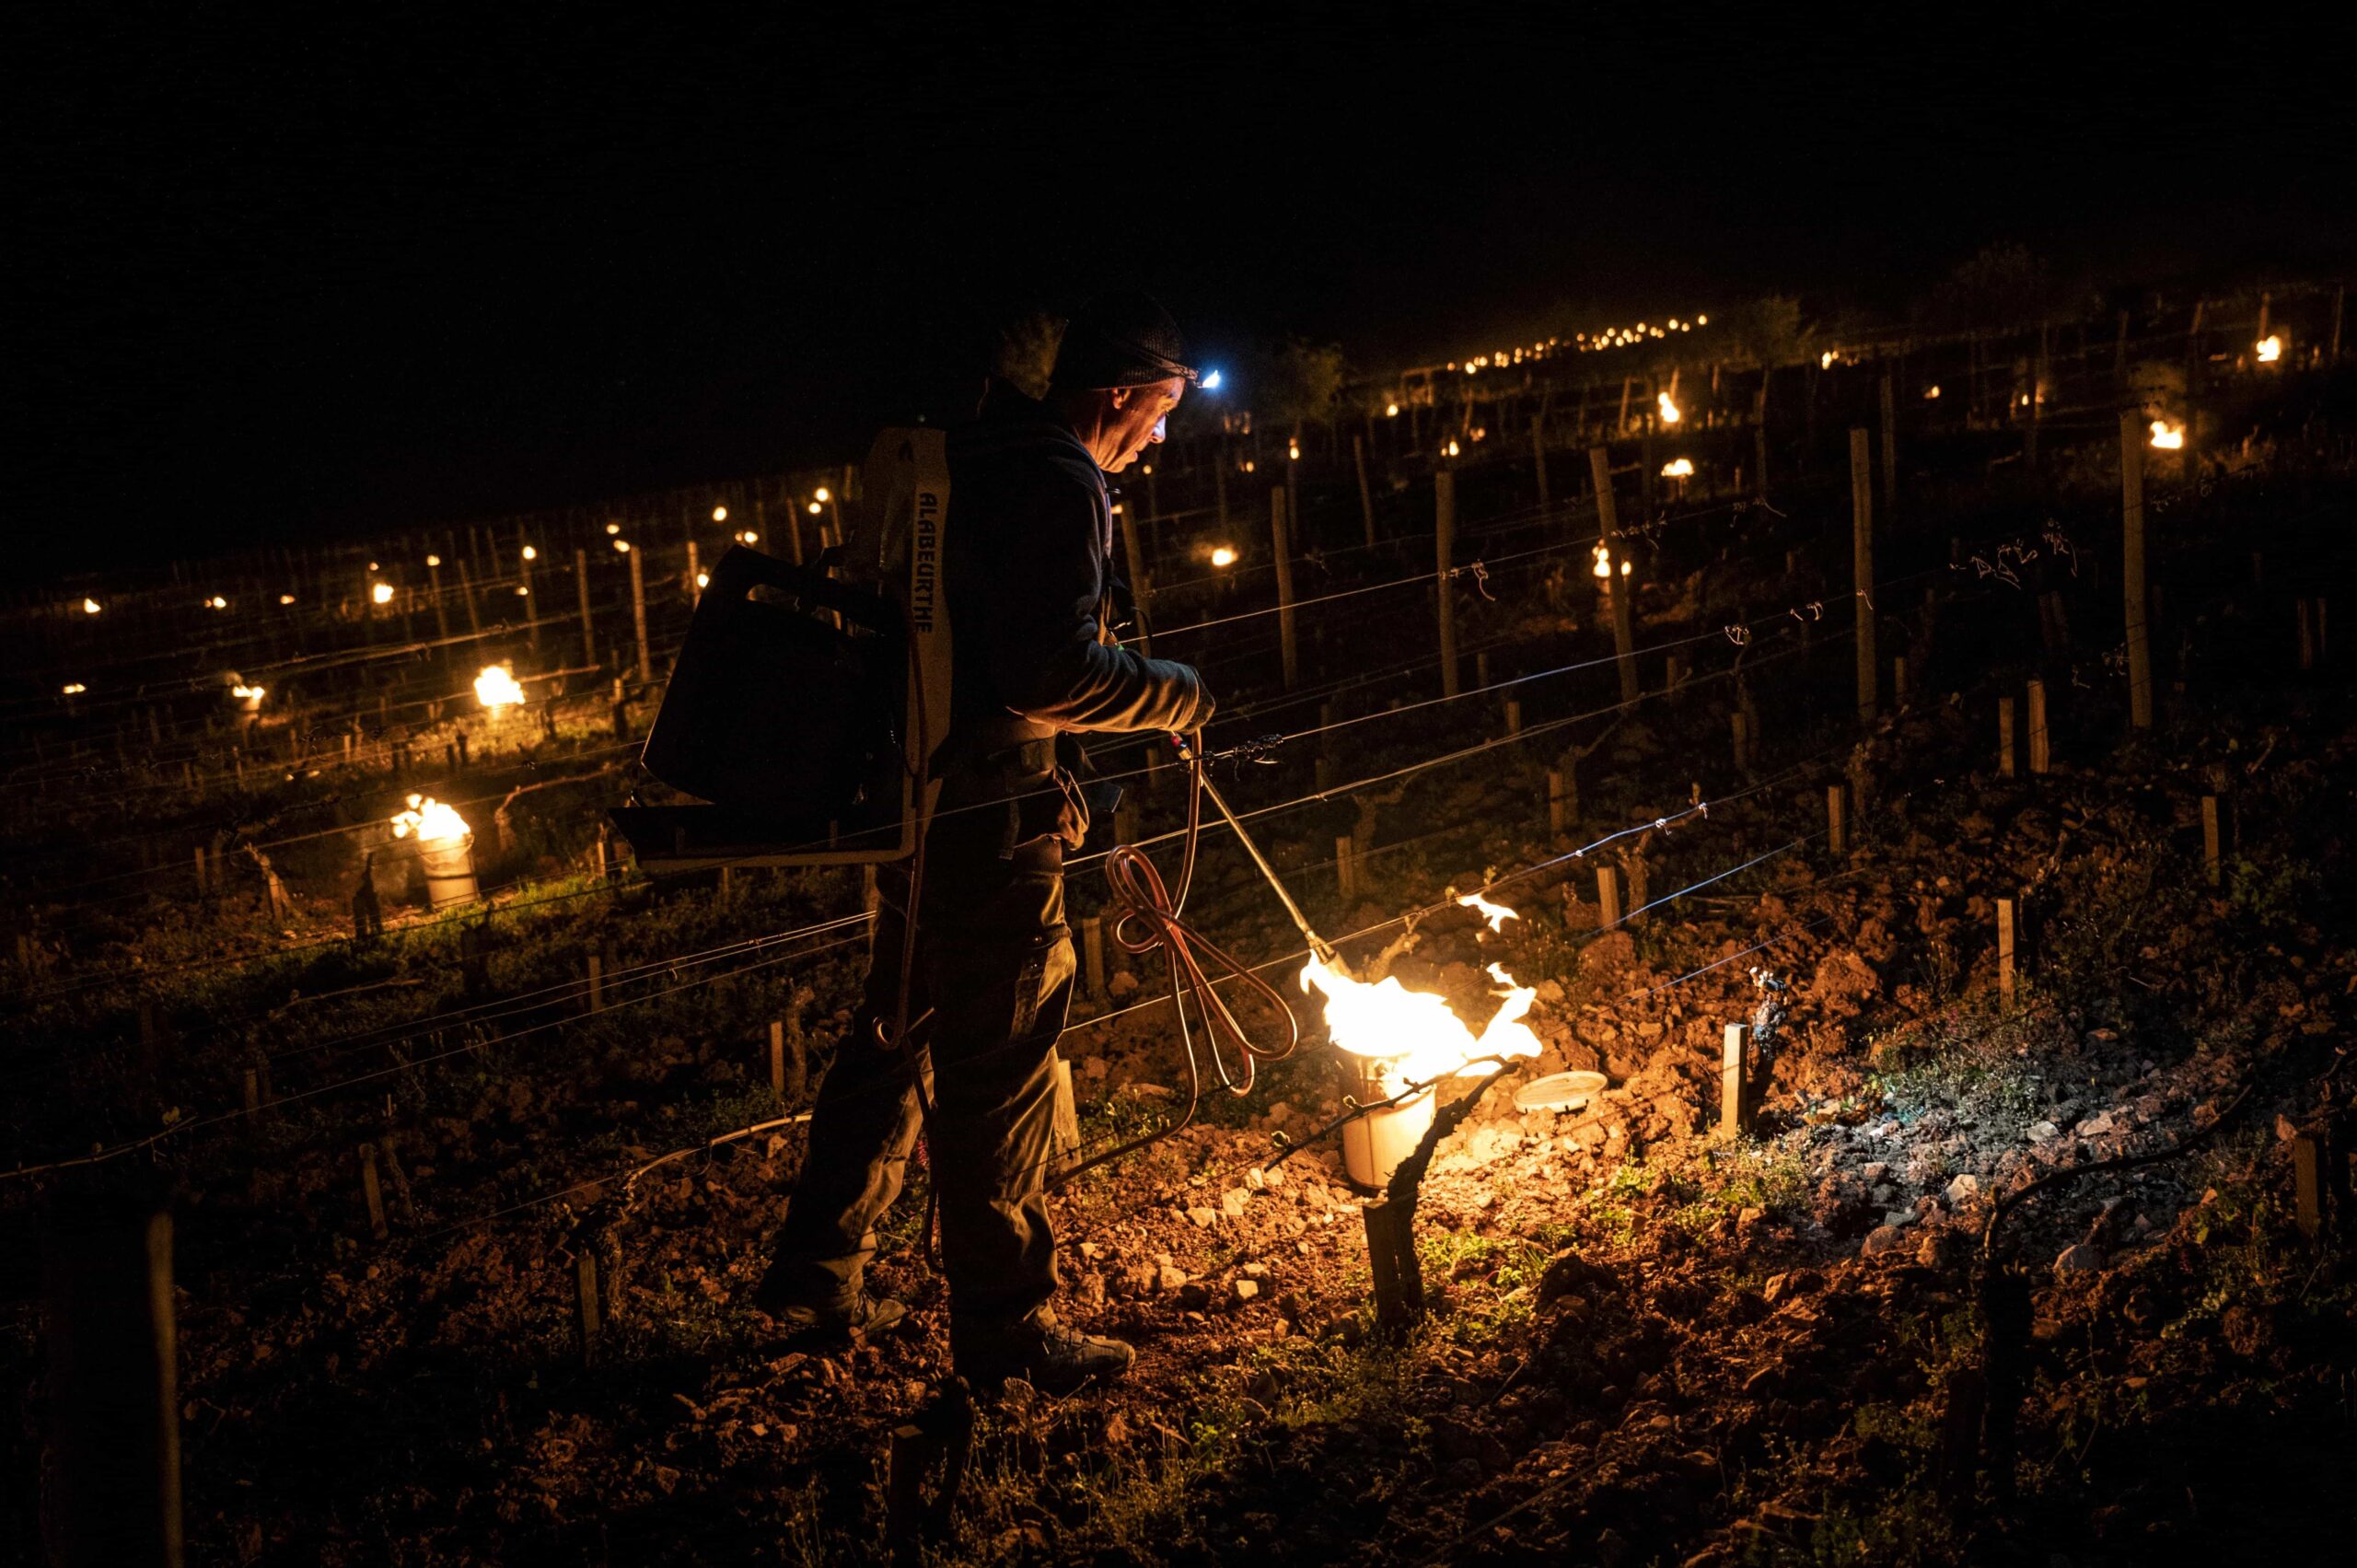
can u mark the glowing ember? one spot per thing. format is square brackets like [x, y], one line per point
[1496, 914]
[1415, 1032]
[435, 822]
[1825, 360]
[1931, 392]
[434, 561]
[2270, 349]
[821, 493]
[814, 508]
[250, 696]
[1679, 467]
[1670, 413]
[89, 607]
[617, 527]
[1391, 410]
[704, 579]
[1293, 450]
[382, 592]
[748, 537]
[1604, 563]
[496, 687]
[75, 689]
[720, 514]
[1223, 555]
[622, 545]
[532, 553]
[1452, 449]
[2167, 436]
[216, 602]
[286, 598]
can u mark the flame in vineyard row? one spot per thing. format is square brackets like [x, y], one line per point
[1416, 1034]
[432, 821]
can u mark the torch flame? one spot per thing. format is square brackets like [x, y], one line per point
[2168, 437]
[433, 822]
[1415, 1033]
[382, 592]
[496, 687]
[1223, 555]
[1604, 563]
[1496, 914]
[1678, 468]
[1670, 413]
[2270, 349]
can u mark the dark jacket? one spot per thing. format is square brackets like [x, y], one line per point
[1030, 569]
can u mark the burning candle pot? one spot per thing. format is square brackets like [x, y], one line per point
[445, 850]
[1401, 1045]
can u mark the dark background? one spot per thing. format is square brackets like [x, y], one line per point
[287, 275]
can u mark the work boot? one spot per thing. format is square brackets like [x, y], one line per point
[866, 1316]
[1052, 1358]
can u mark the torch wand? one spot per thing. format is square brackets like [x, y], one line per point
[1318, 944]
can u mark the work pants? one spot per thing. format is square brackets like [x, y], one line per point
[994, 960]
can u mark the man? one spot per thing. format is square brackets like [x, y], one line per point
[1030, 573]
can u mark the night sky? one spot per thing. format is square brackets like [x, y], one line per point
[289, 277]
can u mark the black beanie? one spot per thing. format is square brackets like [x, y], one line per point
[1120, 340]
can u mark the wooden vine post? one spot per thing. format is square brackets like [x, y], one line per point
[1366, 494]
[589, 627]
[1735, 1094]
[1862, 566]
[1141, 586]
[2210, 838]
[2131, 575]
[111, 1487]
[2038, 736]
[1287, 633]
[1620, 590]
[1607, 897]
[1443, 545]
[2007, 935]
[638, 616]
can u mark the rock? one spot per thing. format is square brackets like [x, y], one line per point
[1275, 1176]
[1881, 1239]
[1612, 951]
[1964, 1190]
[1123, 985]
[1253, 1180]
[2039, 1132]
[2083, 1259]
[1232, 1202]
[1200, 1218]
[1568, 1273]
[2248, 1328]
[1170, 1277]
[1093, 1068]
[1138, 1279]
[1791, 1286]
[1938, 1251]
[1244, 1289]
[1874, 1170]
[1194, 1296]
[1254, 1270]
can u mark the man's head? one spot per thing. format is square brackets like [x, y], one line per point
[1120, 371]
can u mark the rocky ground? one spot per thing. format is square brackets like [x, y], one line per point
[1646, 1341]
